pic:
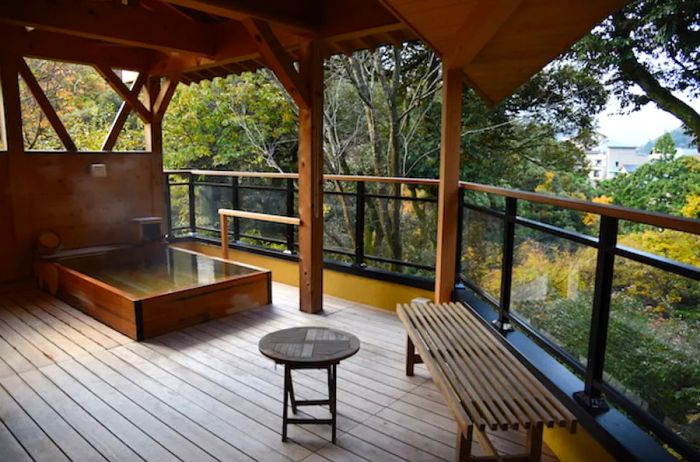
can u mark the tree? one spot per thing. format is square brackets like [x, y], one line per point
[653, 45]
[665, 146]
[664, 187]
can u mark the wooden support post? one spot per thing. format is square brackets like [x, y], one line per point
[154, 144]
[448, 196]
[18, 261]
[123, 113]
[223, 226]
[311, 181]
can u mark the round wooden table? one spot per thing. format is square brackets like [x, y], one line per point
[309, 348]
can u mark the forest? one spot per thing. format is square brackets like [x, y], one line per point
[382, 118]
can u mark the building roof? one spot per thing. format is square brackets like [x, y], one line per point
[499, 44]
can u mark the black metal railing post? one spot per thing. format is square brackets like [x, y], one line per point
[235, 204]
[290, 213]
[168, 205]
[360, 224]
[192, 210]
[591, 396]
[460, 237]
[511, 213]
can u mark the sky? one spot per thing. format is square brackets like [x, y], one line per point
[637, 128]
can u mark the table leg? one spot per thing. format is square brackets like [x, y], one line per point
[287, 382]
[331, 397]
[291, 393]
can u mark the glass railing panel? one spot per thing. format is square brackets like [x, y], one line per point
[339, 218]
[482, 251]
[400, 233]
[653, 350]
[552, 288]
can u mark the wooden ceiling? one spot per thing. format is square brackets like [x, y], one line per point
[498, 43]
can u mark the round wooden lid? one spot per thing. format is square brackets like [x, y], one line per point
[309, 345]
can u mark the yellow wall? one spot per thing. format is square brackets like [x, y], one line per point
[347, 286]
[579, 447]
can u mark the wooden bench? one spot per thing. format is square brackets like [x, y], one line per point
[484, 385]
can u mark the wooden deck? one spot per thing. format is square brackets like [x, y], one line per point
[72, 388]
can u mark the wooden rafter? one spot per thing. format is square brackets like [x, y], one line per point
[164, 96]
[478, 29]
[123, 113]
[279, 60]
[122, 90]
[296, 15]
[46, 106]
[60, 47]
[112, 22]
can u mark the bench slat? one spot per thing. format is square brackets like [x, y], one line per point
[522, 413]
[466, 388]
[565, 417]
[485, 384]
[474, 376]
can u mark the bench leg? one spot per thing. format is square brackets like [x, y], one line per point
[463, 450]
[534, 442]
[412, 358]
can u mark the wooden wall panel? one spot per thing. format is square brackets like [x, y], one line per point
[56, 192]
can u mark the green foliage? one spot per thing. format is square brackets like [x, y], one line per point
[662, 186]
[653, 45]
[83, 101]
[236, 123]
[665, 146]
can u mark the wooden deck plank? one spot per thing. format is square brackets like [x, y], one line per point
[137, 441]
[26, 432]
[205, 393]
[104, 442]
[71, 443]
[143, 412]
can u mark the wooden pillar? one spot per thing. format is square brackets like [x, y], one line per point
[18, 262]
[311, 181]
[448, 196]
[154, 144]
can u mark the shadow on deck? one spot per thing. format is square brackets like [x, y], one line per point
[72, 388]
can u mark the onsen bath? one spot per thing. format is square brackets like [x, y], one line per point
[148, 290]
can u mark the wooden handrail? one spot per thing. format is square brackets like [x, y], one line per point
[295, 176]
[661, 220]
[225, 213]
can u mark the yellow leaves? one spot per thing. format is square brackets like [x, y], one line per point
[548, 184]
[592, 219]
[691, 209]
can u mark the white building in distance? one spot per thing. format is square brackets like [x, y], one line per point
[607, 160]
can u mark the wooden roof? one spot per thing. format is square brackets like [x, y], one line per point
[498, 43]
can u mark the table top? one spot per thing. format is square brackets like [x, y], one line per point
[309, 345]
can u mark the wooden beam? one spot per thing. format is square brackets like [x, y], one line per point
[448, 195]
[123, 113]
[122, 90]
[311, 181]
[481, 25]
[296, 15]
[112, 22]
[154, 144]
[281, 219]
[12, 110]
[163, 100]
[277, 59]
[59, 47]
[46, 106]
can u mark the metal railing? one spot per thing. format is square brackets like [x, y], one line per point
[604, 243]
[606, 246]
[360, 192]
